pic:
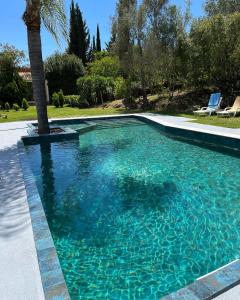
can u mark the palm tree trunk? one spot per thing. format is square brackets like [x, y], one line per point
[33, 23]
[38, 79]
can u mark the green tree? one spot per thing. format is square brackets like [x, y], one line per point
[225, 7]
[98, 46]
[111, 44]
[154, 10]
[124, 22]
[51, 13]
[79, 37]
[96, 89]
[215, 57]
[62, 72]
[73, 45]
[174, 45]
[140, 61]
[108, 66]
[93, 44]
[12, 87]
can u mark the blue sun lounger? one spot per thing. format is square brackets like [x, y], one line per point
[213, 105]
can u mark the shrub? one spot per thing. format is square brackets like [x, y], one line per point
[55, 100]
[25, 104]
[83, 103]
[16, 107]
[71, 100]
[129, 103]
[61, 98]
[75, 101]
[7, 106]
[135, 88]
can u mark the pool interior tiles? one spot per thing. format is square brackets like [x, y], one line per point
[132, 215]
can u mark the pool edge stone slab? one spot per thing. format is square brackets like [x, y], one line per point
[53, 282]
[211, 285]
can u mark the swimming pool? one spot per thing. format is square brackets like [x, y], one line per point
[135, 214]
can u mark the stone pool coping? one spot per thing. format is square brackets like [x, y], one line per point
[211, 285]
[207, 287]
[53, 282]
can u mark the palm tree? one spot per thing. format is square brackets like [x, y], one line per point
[51, 14]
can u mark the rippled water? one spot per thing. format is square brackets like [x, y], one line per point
[135, 214]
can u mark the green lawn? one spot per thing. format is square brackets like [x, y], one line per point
[68, 112]
[214, 120]
[53, 112]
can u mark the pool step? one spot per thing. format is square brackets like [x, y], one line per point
[88, 127]
[106, 124]
[83, 127]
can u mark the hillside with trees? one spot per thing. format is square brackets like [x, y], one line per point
[158, 48]
[158, 56]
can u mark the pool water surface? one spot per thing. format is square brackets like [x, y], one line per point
[135, 214]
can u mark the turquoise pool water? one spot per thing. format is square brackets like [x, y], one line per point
[135, 214]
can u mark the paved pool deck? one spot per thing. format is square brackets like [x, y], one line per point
[20, 277]
[19, 270]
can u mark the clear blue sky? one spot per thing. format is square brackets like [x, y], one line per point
[12, 29]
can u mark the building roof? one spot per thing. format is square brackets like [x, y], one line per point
[25, 73]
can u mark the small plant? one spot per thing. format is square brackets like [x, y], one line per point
[7, 106]
[61, 98]
[16, 107]
[55, 100]
[25, 104]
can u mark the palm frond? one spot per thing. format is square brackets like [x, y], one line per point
[54, 18]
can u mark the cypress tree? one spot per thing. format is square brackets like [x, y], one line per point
[99, 48]
[83, 36]
[111, 43]
[79, 43]
[90, 56]
[94, 44]
[72, 46]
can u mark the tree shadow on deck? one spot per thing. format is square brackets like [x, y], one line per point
[14, 213]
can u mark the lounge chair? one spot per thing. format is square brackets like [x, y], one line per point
[213, 105]
[231, 111]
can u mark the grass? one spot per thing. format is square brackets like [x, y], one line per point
[65, 112]
[214, 120]
[68, 112]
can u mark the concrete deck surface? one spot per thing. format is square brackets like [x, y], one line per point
[19, 271]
